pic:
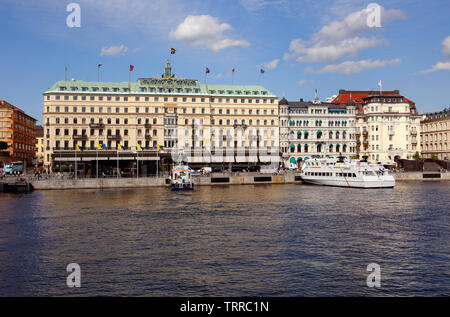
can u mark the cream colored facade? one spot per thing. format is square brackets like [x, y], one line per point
[40, 144]
[159, 111]
[435, 135]
[387, 127]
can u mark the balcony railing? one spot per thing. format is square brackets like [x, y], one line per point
[114, 137]
[80, 137]
[147, 126]
[148, 136]
[97, 125]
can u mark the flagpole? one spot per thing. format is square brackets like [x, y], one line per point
[76, 165]
[137, 162]
[117, 162]
[97, 161]
[157, 162]
[65, 73]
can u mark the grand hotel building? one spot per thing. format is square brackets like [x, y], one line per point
[162, 115]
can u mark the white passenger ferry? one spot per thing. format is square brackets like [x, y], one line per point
[345, 173]
[181, 178]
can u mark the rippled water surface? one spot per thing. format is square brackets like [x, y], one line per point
[274, 240]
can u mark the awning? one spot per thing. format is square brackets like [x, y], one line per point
[306, 158]
[299, 132]
[306, 132]
[299, 159]
[319, 132]
[292, 146]
[293, 160]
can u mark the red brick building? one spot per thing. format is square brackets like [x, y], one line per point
[18, 130]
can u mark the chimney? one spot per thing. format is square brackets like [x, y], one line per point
[301, 99]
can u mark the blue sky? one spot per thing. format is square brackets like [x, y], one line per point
[302, 45]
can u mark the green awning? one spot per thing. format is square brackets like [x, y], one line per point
[319, 132]
[292, 146]
[299, 159]
[292, 159]
[306, 158]
[299, 132]
[306, 132]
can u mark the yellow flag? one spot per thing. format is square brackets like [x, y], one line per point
[139, 147]
[77, 147]
[120, 147]
[159, 147]
[100, 146]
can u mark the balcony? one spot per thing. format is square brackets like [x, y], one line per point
[114, 137]
[365, 132]
[148, 126]
[148, 137]
[97, 125]
[80, 137]
[366, 143]
[413, 132]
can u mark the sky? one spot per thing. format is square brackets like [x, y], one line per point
[301, 45]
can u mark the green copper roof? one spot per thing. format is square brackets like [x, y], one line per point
[168, 84]
[160, 86]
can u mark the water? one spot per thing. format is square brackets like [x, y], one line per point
[274, 240]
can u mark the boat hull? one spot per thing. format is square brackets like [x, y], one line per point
[176, 187]
[366, 182]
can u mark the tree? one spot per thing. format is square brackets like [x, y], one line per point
[3, 145]
[416, 156]
[434, 156]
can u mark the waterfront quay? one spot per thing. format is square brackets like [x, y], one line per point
[214, 179]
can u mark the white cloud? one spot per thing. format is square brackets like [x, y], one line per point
[330, 52]
[118, 50]
[439, 66]
[207, 31]
[340, 39]
[271, 65]
[304, 82]
[351, 67]
[446, 49]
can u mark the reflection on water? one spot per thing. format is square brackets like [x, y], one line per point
[274, 240]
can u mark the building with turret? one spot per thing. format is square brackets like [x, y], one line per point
[151, 119]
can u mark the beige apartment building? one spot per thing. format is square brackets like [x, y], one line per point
[435, 135]
[387, 125]
[153, 118]
[39, 145]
